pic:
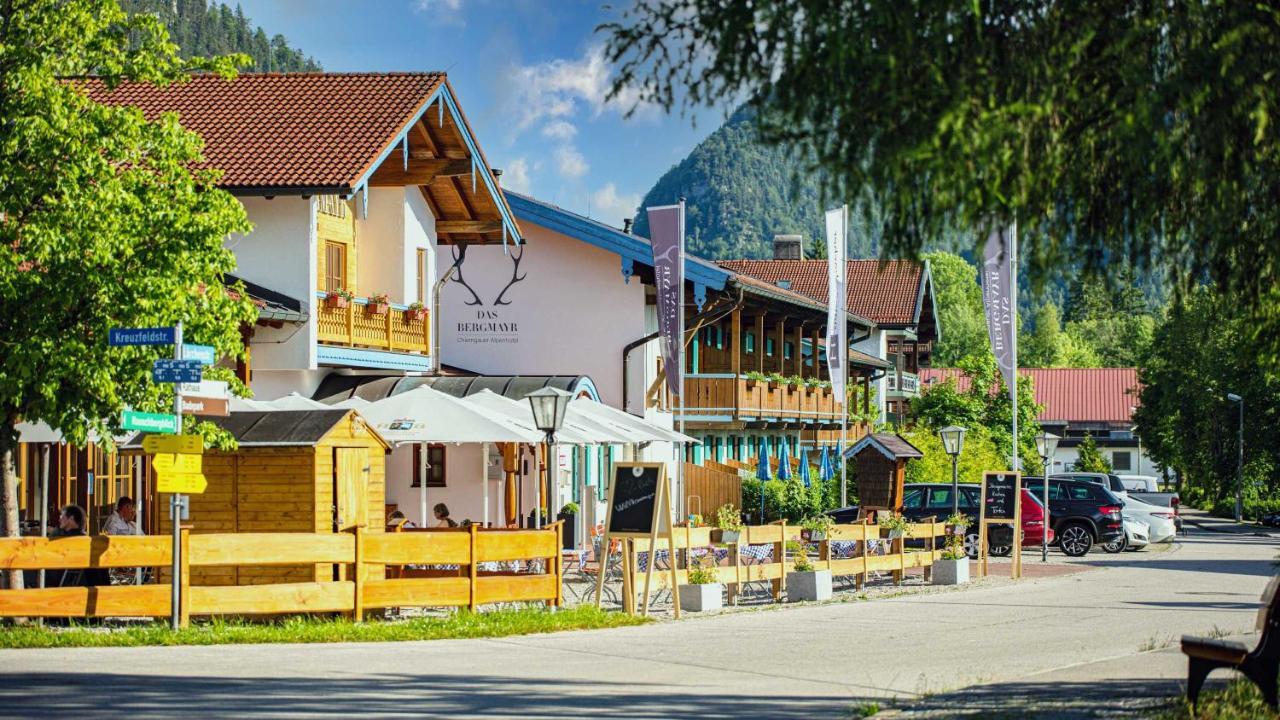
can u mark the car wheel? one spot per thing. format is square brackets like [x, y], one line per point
[971, 545]
[1000, 550]
[1120, 544]
[1076, 540]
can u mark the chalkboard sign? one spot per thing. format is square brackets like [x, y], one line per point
[634, 494]
[1000, 496]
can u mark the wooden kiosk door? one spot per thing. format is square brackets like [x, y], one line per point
[350, 488]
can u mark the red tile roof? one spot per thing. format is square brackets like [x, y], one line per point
[296, 130]
[1069, 394]
[883, 292]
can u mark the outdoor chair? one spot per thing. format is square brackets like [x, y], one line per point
[1261, 664]
[610, 561]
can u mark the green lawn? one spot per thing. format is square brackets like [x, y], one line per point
[462, 624]
[1238, 701]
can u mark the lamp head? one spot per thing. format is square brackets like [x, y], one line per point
[1232, 397]
[1046, 445]
[549, 406]
[952, 439]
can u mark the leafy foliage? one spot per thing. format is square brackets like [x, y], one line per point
[959, 302]
[104, 222]
[986, 404]
[1090, 458]
[978, 455]
[1114, 133]
[201, 28]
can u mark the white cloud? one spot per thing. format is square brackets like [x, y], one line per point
[559, 130]
[610, 207]
[443, 12]
[566, 88]
[570, 162]
[450, 5]
[516, 176]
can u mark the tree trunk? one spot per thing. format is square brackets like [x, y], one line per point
[9, 488]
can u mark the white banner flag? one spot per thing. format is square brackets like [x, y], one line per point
[837, 342]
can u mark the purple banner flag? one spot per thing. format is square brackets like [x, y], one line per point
[837, 222]
[998, 298]
[666, 235]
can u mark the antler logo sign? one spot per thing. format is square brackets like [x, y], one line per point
[487, 323]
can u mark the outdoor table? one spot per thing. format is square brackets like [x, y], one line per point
[756, 555]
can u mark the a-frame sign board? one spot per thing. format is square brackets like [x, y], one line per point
[1001, 505]
[639, 507]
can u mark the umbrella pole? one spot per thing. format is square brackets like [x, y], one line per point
[422, 488]
[484, 482]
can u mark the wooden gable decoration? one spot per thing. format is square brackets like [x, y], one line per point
[882, 461]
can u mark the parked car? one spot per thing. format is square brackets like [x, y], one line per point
[1136, 536]
[1271, 519]
[1140, 483]
[1082, 513]
[1154, 508]
[922, 500]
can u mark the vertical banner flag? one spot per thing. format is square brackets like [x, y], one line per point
[666, 235]
[997, 301]
[837, 222]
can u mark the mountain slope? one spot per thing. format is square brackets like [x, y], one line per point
[204, 29]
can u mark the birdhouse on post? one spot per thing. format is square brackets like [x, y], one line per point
[882, 468]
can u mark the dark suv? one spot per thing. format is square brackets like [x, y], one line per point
[922, 500]
[1083, 513]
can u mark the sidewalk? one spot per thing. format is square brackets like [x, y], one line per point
[1202, 520]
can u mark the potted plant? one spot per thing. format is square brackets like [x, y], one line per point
[815, 529]
[794, 381]
[953, 567]
[895, 524]
[338, 299]
[804, 582]
[569, 534]
[773, 379]
[377, 304]
[728, 525]
[704, 592]
[416, 312]
[754, 377]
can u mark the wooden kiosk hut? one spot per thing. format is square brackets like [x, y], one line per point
[312, 471]
[882, 467]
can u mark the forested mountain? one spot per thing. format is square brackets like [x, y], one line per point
[202, 28]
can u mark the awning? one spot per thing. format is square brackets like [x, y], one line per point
[521, 413]
[423, 415]
[583, 407]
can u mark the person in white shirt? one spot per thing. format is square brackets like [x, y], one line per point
[124, 520]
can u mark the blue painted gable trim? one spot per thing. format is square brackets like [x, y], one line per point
[631, 248]
[376, 359]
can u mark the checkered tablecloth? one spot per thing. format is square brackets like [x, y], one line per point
[759, 553]
[663, 559]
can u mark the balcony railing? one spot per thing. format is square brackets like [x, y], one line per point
[732, 397]
[903, 382]
[399, 329]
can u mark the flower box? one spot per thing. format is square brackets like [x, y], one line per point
[376, 308]
[809, 586]
[415, 316]
[726, 537]
[702, 598]
[813, 535]
[950, 572]
[334, 301]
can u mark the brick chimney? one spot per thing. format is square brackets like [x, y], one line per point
[788, 247]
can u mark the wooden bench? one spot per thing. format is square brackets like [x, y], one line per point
[1261, 664]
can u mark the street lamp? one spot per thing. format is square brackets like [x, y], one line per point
[953, 442]
[1046, 445]
[1232, 397]
[549, 406]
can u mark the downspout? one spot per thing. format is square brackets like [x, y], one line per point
[435, 308]
[711, 314]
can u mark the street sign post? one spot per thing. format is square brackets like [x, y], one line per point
[177, 464]
[149, 422]
[176, 371]
[206, 407]
[178, 483]
[204, 353]
[207, 388]
[187, 444]
[117, 337]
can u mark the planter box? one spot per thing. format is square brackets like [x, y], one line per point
[726, 537]
[950, 572]
[812, 536]
[373, 308]
[335, 302]
[802, 586]
[702, 598]
[415, 316]
[895, 534]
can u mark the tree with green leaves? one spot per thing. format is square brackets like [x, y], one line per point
[105, 221]
[959, 302]
[978, 455]
[1090, 458]
[1116, 133]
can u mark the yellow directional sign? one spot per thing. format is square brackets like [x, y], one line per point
[171, 463]
[191, 483]
[187, 444]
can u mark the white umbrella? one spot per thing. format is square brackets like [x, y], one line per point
[638, 429]
[423, 415]
[354, 402]
[294, 401]
[239, 404]
[571, 434]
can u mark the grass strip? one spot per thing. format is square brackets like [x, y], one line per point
[462, 624]
[1240, 700]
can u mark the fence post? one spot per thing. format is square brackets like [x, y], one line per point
[861, 578]
[358, 570]
[184, 579]
[473, 569]
[559, 563]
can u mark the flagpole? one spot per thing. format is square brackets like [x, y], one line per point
[844, 364]
[1013, 332]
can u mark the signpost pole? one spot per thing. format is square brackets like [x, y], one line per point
[1013, 345]
[682, 448]
[176, 500]
[844, 366]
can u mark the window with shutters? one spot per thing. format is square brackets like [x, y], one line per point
[432, 465]
[335, 267]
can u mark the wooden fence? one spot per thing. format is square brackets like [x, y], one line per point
[361, 585]
[740, 569]
[706, 489]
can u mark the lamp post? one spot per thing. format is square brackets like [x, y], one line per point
[549, 406]
[1046, 445]
[953, 442]
[1232, 397]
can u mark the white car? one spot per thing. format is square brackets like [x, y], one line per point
[1159, 520]
[1140, 483]
[1136, 536]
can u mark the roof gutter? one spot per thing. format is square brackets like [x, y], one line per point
[436, 290]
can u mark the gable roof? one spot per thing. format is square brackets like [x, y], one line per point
[1067, 394]
[891, 445]
[334, 133]
[282, 428]
[888, 293]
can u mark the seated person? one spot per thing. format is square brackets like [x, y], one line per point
[443, 520]
[397, 520]
[70, 522]
[124, 520]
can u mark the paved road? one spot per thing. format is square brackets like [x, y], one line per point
[1039, 638]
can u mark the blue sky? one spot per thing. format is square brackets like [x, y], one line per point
[530, 76]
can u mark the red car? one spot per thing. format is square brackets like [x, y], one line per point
[1033, 528]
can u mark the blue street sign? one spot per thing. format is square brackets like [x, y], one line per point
[176, 371]
[204, 353]
[140, 336]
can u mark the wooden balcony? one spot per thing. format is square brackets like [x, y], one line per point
[396, 330]
[732, 398]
